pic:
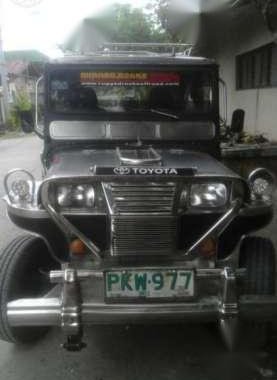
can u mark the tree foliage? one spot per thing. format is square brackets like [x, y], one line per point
[123, 23]
[164, 17]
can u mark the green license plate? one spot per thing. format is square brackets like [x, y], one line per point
[160, 283]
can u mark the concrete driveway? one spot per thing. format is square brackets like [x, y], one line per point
[175, 352]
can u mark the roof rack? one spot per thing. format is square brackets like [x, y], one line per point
[146, 48]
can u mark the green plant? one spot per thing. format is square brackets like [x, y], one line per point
[13, 120]
[22, 101]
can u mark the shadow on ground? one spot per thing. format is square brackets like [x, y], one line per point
[162, 352]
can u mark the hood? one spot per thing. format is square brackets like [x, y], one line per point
[87, 162]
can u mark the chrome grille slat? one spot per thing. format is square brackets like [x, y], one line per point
[143, 236]
[142, 220]
[130, 198]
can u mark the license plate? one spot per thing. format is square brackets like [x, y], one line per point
[149, 284]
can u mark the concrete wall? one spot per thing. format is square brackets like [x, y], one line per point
[260, 105]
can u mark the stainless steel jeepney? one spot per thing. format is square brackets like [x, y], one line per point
[149, 202]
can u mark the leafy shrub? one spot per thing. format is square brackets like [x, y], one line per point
[22, 103]
[13, 120]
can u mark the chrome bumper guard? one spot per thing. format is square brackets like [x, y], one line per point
[71, 305]
[71, 310]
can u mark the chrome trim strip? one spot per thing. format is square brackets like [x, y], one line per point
[57, 276]
[90, 175]
[28, 213]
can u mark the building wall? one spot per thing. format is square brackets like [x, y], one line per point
[260, 105]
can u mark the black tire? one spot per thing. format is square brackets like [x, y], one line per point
[23, 267]
[257, 255]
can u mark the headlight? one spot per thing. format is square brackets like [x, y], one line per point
[20, 187]
[75, 196]
[262, 184]
[208, 195]
[64, 196]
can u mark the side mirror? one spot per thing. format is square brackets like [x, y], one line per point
[27, 121]
[223, 101]
[237, 123]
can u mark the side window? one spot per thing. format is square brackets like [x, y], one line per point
[257, 68]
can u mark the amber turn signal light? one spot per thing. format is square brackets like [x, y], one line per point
[77, 247]
[207, 248]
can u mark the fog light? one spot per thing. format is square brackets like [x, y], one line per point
[260, 187]
[20, 187]
[262, 184]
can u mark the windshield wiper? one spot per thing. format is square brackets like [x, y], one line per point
[171, 115]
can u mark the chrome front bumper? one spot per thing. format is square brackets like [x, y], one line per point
[48, 311]
[41, 312]
[78, 299]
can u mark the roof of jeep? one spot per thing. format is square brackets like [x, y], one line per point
[133, 59]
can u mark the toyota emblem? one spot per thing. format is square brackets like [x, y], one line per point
[121, 171]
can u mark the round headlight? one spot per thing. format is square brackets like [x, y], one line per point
[262, 183]
[208, 195]
[20, 186]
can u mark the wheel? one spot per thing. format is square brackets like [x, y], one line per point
[23, 267]
[257, 255]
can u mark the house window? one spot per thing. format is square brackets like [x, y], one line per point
[257, 68]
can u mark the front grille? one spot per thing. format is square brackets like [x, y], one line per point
[142, 217]
[143, 235]
[141, 198]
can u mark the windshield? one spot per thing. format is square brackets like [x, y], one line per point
[169, 94]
